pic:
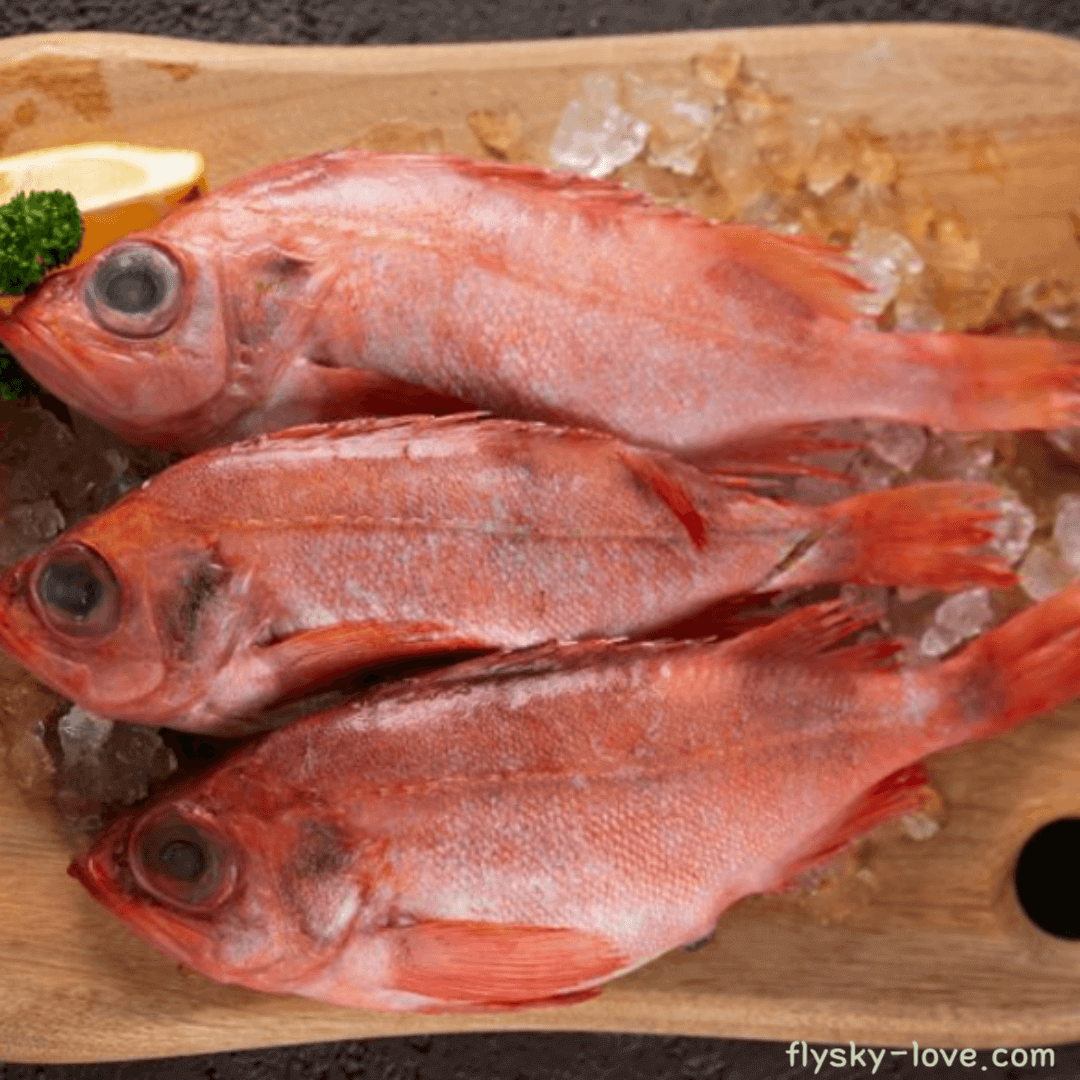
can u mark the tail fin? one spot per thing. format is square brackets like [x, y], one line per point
[924, 534]
[1016, 671]
[1003, 383]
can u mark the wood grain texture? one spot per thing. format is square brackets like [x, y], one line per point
[917, 939]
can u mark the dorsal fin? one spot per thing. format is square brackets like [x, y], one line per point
[813, 632]
[804, 265]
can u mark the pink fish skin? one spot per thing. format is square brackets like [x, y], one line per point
[246, 574]
[529, 825]
[353, 283]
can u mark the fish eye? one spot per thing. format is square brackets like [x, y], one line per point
[181, 863]
[75, 592]
[135, 291]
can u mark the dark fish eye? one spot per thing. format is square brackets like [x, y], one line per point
[75, 592]
[181, 863]
[135, 290]
[71, 587]
[182, 860]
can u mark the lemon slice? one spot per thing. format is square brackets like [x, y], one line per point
[119, 188]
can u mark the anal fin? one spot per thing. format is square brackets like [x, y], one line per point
[901, 792]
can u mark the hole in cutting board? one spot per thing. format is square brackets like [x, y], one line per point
[1048, 878]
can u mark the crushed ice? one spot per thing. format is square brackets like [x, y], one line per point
[1043, 571]
[680, 120]
[900, 445]
[1013, 529]
[596, 134]
[104, 765]
[1067, 529]
[883, 259]
[956, 619]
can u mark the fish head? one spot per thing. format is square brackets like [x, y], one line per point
[130, 614]
[134, 338]
[229, 879]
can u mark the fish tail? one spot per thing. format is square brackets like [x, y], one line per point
[1002, 383]
[1020, 669]
[924, 534]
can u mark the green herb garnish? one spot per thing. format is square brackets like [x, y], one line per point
[37, 232]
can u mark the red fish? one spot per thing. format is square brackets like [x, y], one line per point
[249, 573]
[355, 283]
[519, 829]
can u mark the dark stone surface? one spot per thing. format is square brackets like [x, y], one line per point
[543, 1057]
[388, 22]
[513, 1056]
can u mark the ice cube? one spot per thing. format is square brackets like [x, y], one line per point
[721, 69]
[938, 640]
[901, 445]
[499, 131]
[1043, 572]
[961, 616]
[28, 527]
[834, 158]
[1013, 529]
[871, 473]
[1055, 302]
[105, 764]
[1067, 529]
[82, 735]
[952, 455]
[736, 163]
[596, 135]
[680, 121]
[755, 104]
[883, 259]
[967, 613]
[919, 826]
[917, 316]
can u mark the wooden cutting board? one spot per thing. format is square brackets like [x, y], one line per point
[918, 940]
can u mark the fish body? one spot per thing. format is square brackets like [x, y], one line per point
[249, 573]
[525, 826]
[354, 283]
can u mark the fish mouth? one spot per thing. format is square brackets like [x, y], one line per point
[81, 870]
[124, 899]
[12, 600]
[56, 366]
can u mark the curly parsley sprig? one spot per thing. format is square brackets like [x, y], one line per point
[38, 231]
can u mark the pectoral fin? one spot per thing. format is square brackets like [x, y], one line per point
[310, 657]
[670, 492]
[497, 966]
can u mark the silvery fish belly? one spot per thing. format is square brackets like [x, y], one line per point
[249, 574]
[521, 828]
[352, 283]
